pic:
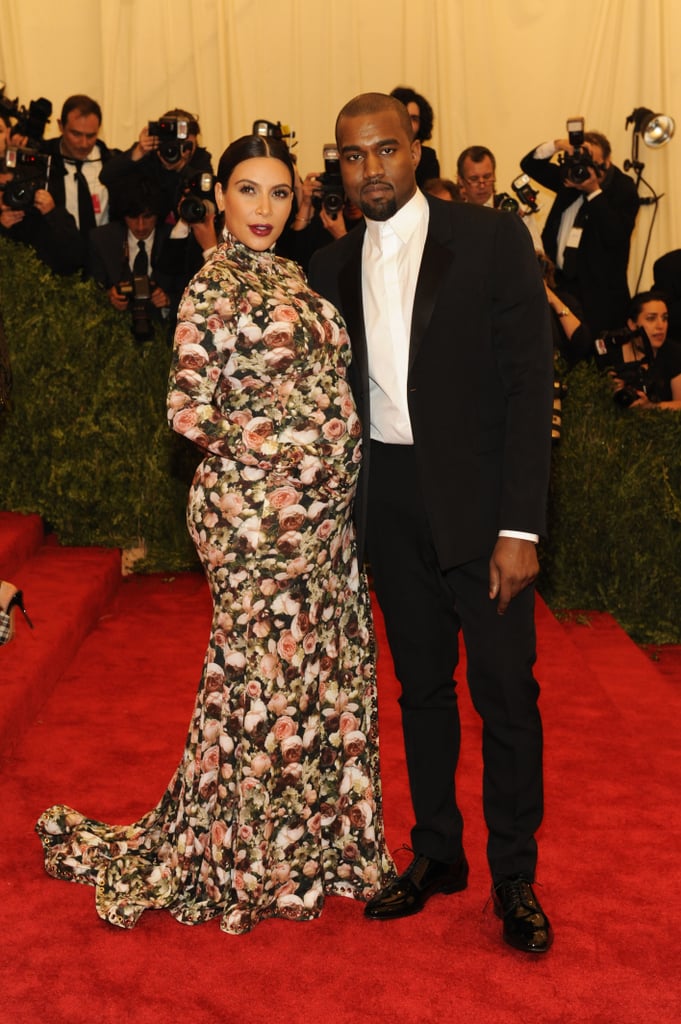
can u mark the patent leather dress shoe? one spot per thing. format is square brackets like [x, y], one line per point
[526, 926]
[409, 893]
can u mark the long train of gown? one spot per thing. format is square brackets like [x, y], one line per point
[277, 799]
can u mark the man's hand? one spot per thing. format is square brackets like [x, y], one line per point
[512, 567]
[118, 301]
[159, 299]
[8, 218]
[146, 143]
[43, 201]
[204, 230]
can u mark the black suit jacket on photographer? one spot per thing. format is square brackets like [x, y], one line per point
[108, 263]
[59, 170]
[599, 279]
[170, 182]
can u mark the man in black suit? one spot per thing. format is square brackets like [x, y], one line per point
[452, 373]
[126, 256]
[78, 156]
[588, 228]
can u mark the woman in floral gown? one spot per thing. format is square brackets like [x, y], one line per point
[277, 801]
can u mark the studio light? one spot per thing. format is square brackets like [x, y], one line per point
[655, 129]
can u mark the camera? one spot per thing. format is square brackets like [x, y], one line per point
[635, 376]
[137, 289]
[29, 121]
[31, 171]
[332, 197]
[525, 193]
[576, 166]
[503, 201]
[276, 129]
[197, 198]
[173, 135]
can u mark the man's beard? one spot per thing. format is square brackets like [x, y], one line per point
[377, 210]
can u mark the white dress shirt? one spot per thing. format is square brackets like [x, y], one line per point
[92, 167]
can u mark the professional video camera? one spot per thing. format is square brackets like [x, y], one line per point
[173, 135]
[198, 198]
[29, 121]
[576, 167]
[636, 376]
[137, 289]
[332, 197]
[31, 172]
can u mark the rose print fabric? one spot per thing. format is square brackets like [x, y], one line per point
[277, 801]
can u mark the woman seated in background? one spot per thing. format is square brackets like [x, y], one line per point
[653, 359]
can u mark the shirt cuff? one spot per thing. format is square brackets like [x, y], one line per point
[534, 537]
[592, 195]
[545, 151]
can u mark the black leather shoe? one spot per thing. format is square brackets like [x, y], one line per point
[526, 926]
[409, 893]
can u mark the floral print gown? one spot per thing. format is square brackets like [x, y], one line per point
[277, 799]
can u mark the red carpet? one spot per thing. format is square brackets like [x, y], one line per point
[79, 732]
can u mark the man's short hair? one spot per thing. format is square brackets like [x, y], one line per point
[374, 103]
[598, 139]
[133, 196]
[85, 106]
[475, 153]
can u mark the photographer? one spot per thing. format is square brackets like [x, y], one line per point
[588, 228]
[323, 215]
[77, 157]
[124, 256]
[646, 371]
[30, 216]
[166, 152]
[476, 169]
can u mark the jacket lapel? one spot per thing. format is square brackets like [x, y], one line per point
[435, 263]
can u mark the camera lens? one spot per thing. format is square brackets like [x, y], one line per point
[171, 152]
[192, 210]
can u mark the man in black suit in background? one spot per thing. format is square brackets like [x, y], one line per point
[452, 373]
[588, 228]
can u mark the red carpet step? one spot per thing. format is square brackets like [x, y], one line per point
[65, 590]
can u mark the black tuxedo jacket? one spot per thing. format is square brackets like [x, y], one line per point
[480, 375]
[600, 281]
[107, 263]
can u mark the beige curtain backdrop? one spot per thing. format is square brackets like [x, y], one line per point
[501, 73]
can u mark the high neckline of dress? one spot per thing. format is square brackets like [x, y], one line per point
[244, 252]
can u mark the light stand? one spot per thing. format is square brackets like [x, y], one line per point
[656, 130]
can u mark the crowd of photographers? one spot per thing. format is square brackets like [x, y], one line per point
[141, 222]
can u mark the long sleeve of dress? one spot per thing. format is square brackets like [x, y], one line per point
[243, 382]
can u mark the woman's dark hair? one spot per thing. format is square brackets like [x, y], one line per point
[250, 146]
[405, 95]
[640, 300]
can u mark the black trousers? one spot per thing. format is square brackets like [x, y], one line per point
[425, 609]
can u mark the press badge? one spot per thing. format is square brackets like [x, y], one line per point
[574, 238]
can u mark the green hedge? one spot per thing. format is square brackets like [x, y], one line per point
[85, 443]
[615, 512]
